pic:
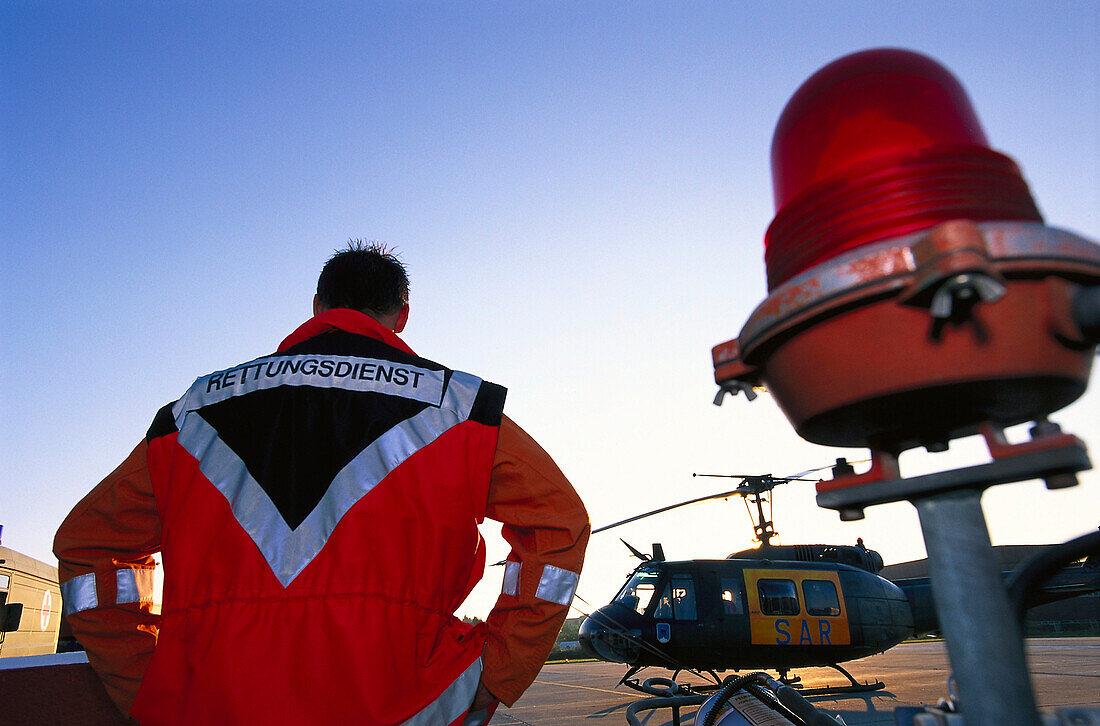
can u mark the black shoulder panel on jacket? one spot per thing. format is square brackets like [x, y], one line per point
[489, 404]
[164, 423]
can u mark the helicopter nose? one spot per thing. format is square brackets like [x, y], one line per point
[605, 635]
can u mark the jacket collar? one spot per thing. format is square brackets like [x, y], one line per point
[352, 321]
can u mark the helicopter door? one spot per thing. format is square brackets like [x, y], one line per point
[731, 624]
[677, 613]
[796, 607]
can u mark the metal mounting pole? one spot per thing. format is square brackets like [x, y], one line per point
[984, 641]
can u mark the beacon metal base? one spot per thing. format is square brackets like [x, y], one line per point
[1050, 455]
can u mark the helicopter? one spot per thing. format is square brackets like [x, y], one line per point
[773, 607]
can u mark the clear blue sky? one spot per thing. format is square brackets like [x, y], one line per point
[580, 191]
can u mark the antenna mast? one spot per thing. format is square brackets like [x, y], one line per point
[763, 526]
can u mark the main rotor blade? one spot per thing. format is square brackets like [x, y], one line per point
[792, 477]
[776, 479]
[820, 468]
[671, 506]
[767, 481]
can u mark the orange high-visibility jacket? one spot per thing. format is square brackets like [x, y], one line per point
[317, 511]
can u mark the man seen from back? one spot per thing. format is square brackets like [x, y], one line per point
[316, 510]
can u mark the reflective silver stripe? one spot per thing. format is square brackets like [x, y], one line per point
[557, 585]
[460, 394]
[134, 585]
[320, 371]
[511, 578]
[79, 594]
[288, 551]
[452, 703]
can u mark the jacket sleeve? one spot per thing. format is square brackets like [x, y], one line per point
[547, 526]
[105, 565]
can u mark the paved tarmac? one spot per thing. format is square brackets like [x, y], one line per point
[1065, 671]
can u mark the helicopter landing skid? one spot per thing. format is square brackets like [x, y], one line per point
[668, 687]
[853, 687]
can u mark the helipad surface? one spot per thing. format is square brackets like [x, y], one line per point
[1065, 671]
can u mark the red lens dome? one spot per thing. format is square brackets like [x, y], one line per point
[876, 145]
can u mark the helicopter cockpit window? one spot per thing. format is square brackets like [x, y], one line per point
[821, 598]
[639, 591]
[731, 596]
[778, 597]
[678, 599]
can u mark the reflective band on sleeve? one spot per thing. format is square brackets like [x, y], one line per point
[511, 578]
[134, 585]
[452, 703]
[557, 585]
[78, 594]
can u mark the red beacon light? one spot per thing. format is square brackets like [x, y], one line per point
[915, 294]
[877, 145]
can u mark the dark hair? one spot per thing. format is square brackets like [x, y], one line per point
[365, 276]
